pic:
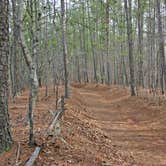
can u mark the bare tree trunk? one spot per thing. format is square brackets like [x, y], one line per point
[152, 48]
[5, 135]
[92, 35]
[140, 44]
[78, 69]
[64, 45]
[46, 52]
[15, 58]
[161, 49]
[107, 43]
[86, 79]
[127, 5]
[32, 76]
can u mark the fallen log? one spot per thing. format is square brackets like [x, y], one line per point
[50, 128]
[18, 155]
[58, 115]
[34, 156]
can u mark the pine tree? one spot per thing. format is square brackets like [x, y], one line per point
[5, 135]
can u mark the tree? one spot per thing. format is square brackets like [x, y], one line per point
[127, 6]
[92, 39]
[107, 42]
[161, 49]
[31, 64]
[64, 45]
[5, 135]
[85, 72]
[15, 57]
[140, 43]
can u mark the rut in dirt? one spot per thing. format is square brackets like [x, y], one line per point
[86, 144]
[134, 124]
[101, 125]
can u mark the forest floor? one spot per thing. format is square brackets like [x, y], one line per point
[101, 126]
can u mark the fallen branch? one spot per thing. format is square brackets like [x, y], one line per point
[50, 128]
[51, 112]
[18, 155]
[58, 115]
[62, 139]
[34, 156]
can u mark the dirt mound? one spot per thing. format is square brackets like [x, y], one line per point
[134, 124]
[82, 142]
[101, 126]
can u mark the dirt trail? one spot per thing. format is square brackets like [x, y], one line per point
[101, 126]
[85, 143]
[134, 125]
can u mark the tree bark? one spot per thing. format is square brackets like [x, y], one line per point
[92, 35]
[107, 42]
[5, 135]
[32, 76]
[140, 44]
[64, 45]
[15, 58]
[127, 6]
[161, 49]
[86, 79]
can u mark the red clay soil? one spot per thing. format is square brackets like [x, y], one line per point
[101, 126]
[134, 124]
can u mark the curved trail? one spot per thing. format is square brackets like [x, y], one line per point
[131, 125]
[134, 125]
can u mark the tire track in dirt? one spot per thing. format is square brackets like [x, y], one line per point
[133, 124]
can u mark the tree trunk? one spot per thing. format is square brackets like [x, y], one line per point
[161, 49]
[127, 5]
[15, 58]
[86, 79]
[5, 136]
[32, 76]
[64, 45]
[46, 55]
[140, 44]
[92, 35]
[107, 42]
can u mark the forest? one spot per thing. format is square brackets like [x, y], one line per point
[82, 82]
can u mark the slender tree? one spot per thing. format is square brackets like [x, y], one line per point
[107, 41]
[92, 39]
[128, 7]
[64, 45]
[15, 50]
[140, 43]
[85, 72]
[161, 48]
[30, 60]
